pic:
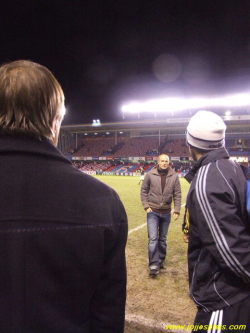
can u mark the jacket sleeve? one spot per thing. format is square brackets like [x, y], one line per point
[145, 191]
[220, 223]
[177, 195]
[107, 311]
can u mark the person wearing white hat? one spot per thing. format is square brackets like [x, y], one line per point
[219, 231]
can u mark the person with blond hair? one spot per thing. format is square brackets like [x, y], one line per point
[62, 233]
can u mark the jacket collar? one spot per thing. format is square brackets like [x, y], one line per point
[155, 171]
[211, 156]
[29, 145]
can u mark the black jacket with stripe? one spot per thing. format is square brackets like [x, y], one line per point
[219, 235]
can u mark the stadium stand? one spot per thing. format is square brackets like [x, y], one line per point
[96, 146]
[126, 146]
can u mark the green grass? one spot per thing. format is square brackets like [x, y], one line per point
[165, 298]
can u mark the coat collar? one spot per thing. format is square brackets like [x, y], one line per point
[207, 158]
[24, 144]
[155, 171]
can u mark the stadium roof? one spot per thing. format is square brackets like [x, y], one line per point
[234, 124]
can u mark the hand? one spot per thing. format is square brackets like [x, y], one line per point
[149, 210]
[176, 216]
[185, 238]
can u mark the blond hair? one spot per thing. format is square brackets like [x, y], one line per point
[30, 98]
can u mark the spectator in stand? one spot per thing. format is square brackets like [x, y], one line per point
[62, 233]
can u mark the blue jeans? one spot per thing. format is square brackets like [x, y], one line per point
[158, 225]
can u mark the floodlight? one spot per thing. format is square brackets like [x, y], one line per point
[174, 104]
[96, 122]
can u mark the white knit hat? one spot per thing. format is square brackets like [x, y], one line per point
[206, 130]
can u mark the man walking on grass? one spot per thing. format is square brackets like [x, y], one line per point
[219, 236]
[160, 187]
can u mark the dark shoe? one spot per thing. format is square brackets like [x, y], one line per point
[154, 272]
[162, 265]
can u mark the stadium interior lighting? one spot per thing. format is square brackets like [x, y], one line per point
[107, 132]
[228, 113]
[85, 133]
[181, 104]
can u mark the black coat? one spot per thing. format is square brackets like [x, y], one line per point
[219, 237]
[62, 244]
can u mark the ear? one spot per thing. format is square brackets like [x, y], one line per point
[56, 124]
[56, 129]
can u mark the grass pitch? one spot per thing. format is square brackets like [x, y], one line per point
[164, 299]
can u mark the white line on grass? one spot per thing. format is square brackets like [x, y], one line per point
[144, 224]
[137, 228]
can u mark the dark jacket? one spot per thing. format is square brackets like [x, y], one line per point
[62, 242]
[219, 240]
[151, 191]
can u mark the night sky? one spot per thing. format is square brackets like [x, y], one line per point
[105, 53]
